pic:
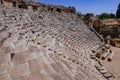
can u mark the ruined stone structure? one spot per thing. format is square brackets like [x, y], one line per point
[13, 3]
[36, 6]
[48, 46]
[110, 22]
[88, 19]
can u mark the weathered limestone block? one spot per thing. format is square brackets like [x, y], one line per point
[103, 71]
[111, 56]
[21, 46]
[5, 64]
[5, 77]
[104, 56]
[107, 75]
[20, 57]
[20, 70]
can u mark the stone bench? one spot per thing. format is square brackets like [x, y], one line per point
[104, 56]
[111, 56]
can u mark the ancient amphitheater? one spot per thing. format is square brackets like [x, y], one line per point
[48, 46]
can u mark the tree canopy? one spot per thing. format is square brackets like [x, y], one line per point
[118, 12]
[112, 15]
[104, 16]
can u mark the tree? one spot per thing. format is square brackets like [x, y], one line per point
[112, 15]
[118, 12]
[104, 16]
[79, 14]
[72, 9]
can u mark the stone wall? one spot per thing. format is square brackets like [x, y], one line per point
[49, 7]
[36, 6]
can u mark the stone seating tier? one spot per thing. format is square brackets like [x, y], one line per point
[46, 46]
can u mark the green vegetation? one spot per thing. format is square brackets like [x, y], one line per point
[118, 12]
[72, 9]
[104, 16]
[112, 15]
[33, 41]
[79, 14]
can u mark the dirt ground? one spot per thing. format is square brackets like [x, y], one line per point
[113, 66]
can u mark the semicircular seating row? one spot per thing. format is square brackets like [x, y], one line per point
[46, 46]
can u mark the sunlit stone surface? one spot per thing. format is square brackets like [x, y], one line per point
[47, 46]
